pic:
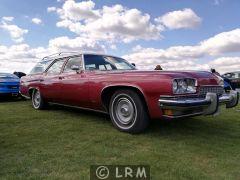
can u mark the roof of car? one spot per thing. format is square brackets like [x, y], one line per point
[68, 54]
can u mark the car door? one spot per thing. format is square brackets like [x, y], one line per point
[51, 82]
[75, 88]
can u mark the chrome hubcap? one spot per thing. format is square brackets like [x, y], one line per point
[125, 111]
[36, 99]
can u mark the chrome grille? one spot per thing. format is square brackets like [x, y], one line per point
[203, 90]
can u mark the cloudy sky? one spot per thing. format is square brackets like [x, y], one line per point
[184, 35]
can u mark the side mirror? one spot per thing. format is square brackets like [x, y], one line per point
[133, 64]
[75, 68]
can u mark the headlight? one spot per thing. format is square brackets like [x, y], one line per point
[175, 86]
[184, 85]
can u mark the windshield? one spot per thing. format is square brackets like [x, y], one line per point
[40, 67]
[104, 63]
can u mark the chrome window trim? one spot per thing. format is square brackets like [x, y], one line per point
[83, 64]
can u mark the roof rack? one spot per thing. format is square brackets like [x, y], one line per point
[58, 55]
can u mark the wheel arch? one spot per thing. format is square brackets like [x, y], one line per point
[108, 91]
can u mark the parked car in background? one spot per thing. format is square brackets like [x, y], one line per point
[234, 79]
[9, 84]
[132, 97]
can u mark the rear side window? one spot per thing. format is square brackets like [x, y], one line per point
[75, 61]
[56, 67]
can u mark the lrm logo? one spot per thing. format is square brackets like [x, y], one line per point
[107, 172]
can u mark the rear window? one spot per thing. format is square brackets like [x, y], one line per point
[41, 67]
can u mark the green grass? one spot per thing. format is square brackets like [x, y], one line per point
[62, 143]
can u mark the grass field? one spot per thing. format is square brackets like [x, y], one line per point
[62, 143]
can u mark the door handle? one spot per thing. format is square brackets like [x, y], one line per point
[60, 77]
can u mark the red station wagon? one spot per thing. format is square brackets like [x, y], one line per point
[132, 97]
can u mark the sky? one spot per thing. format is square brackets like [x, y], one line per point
[178, 35]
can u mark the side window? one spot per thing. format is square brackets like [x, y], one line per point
[56, 67]
[97, 62]
[77, 61]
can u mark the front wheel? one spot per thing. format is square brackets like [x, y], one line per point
[37, 100]
[128, 111]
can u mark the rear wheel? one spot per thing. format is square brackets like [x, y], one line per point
[37, 100]
[128, 112]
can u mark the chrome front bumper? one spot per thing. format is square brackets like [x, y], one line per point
[177, 107]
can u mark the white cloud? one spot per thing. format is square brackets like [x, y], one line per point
[18, 58]
[97, 27]
[78, 11]
[185, 18]
[171, 53]
[116, 23]
[36, 21]
[51, 9]
[15, 32]
[179, 57]
[7, 18]
[226, 64]
[222, 43]
[109, 24]
[22, 57]
[189, 57]
[78, 44]
[175, 57]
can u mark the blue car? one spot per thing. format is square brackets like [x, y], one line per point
[9, 84]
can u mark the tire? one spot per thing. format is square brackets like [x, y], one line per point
[128, 112]
[37, 100]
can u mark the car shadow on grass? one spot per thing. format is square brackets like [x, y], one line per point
[207, 128]
[200, 126]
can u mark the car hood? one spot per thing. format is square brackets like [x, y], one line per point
[178, 74]
[173, 74]
[203, 77]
